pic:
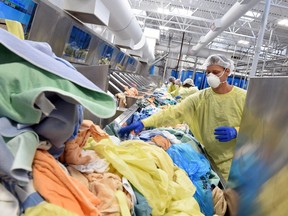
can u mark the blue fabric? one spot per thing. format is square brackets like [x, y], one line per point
[32, 200]
[59, 125]
[198, 169]
[79, 122]
[6, 161]
[9, 129]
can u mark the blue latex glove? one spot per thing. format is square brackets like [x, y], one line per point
[225, 134]
[177, 97]
[125, 131]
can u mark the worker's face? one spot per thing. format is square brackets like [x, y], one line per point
[218, 71]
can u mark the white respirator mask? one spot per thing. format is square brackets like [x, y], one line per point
[213, 80]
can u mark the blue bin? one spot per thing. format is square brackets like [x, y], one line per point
[236, 81]
[199, 79]
[175, 74]
[205, 85]
[186, 74]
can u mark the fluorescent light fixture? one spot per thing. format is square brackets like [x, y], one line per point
[184, 11]
[283, 22]
[152, 33]
[264, 48]
[243, 42]
[248, 16]
[175, 11]
[165, 28]
[252, 14]
[163, 10]
[139, 12]
[141, 23]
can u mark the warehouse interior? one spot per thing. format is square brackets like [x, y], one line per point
[113, 105]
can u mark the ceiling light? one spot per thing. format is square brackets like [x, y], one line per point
[163, 10]
[252, 14]
[165, 28]
[248, 16]
[152, 33]
[243, 42]
[139, 12]
[283, 22]
[141, 23]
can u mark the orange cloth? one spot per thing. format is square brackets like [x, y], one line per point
[131, 92]
[105, 186]
[60, 189]
[161, 141]
[73, 148]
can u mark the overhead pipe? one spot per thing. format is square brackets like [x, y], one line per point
[124, 24]
[203, 53]
[233, 14]
[160, 58]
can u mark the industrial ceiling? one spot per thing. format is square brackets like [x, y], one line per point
[187, 21]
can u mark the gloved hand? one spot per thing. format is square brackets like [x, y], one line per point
[178, 97]
[225, 134]
[125, 131]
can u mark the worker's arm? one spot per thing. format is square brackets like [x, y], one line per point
[169, 117]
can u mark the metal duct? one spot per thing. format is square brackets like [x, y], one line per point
[124, 25]
[148, 50]
[233, 14]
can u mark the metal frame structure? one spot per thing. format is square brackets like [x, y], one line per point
[196, 17]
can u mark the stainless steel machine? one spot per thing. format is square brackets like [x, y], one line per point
[259, 168]
[97, 59]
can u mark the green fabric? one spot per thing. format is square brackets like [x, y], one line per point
[214, 178]
[141, 208]
[203, 112]
[21, 83]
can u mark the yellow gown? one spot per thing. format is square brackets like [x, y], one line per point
[203, 112]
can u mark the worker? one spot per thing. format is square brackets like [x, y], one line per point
[171, 86]
[213, 115]
[178, 85]
[188, 88]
